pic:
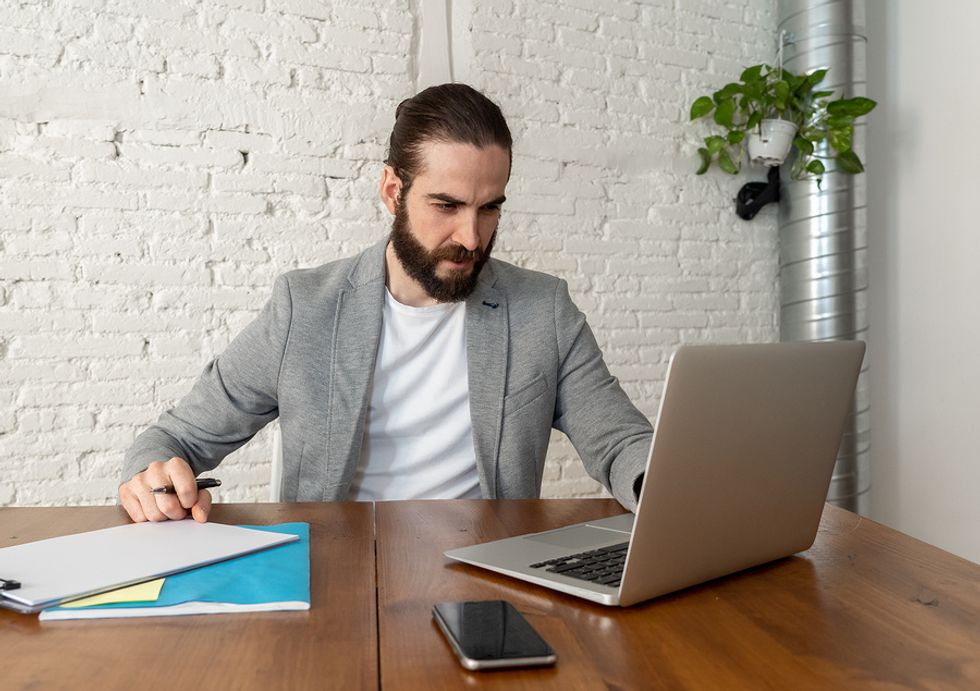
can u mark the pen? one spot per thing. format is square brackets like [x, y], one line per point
[202, 483]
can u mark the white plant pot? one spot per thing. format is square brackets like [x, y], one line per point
[772, 146]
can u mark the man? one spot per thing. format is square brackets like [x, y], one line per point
[420, 368]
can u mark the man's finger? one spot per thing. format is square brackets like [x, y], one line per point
[148, 504]
[132, 505]
[169, 504]
[203, 506]
[181, 478]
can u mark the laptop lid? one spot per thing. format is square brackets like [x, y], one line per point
[744, 447]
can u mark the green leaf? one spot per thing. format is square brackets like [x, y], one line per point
[855, 107]
[755, 90]
[754, 121]
[814, 78]
[736, 136]
[727, 91]
[714, 144]
[803, 146]
[849, 162]
[821, 94]
[781, 91]
[815, 167]
[701, 107]
[726, 163]
[725, 112]
[752, 74]
[705, 161]
[792, 81]
[841, 138]
[838, 121]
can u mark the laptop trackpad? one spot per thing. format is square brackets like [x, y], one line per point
[576, 536]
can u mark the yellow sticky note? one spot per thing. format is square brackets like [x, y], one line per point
[141, 592]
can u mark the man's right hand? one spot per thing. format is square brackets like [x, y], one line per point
[142, 505]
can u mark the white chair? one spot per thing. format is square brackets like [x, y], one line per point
[275, 479]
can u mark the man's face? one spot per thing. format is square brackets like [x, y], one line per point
[444, 225]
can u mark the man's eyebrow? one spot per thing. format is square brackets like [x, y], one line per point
[442, 197]
[449, 199]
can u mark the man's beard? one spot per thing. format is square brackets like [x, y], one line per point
[421, 264]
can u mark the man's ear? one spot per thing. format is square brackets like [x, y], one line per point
[391, 189]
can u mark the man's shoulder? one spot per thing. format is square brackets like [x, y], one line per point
[337, 274]
[519, 280]
[336, 270]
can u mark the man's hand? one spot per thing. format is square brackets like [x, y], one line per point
[143, 505]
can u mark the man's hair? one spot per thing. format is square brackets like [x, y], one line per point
[454, 113]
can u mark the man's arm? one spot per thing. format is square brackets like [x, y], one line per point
[235, 396]
[610, 435]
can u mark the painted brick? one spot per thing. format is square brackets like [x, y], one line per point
[256, 72]
[125, 173]
[17, 166]
[305, 8]
[181, 155]
[78, 346]
[294, 52]
[197, 65]
[35, 270]
[146, 274]
[162, 137]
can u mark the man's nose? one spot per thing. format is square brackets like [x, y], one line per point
[468, 231]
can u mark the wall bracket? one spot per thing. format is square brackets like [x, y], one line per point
[755, 195]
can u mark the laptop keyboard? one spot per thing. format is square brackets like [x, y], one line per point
[603, 565]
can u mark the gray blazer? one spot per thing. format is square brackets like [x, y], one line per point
[308, 358]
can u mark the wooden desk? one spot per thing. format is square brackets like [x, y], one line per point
[334, 645]
[865, 607]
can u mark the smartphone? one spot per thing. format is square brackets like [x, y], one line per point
[491, 634]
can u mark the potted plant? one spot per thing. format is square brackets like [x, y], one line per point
[771, 110]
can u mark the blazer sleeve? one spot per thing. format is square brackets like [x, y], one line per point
[235, 396]
[610, 435]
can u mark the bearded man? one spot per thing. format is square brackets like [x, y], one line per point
[419, 368]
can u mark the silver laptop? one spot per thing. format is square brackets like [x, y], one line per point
[745, 444]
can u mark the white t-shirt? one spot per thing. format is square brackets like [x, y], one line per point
[418, 443]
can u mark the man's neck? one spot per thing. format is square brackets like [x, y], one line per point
[403, 287]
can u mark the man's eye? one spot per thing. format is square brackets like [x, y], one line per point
[446, 206]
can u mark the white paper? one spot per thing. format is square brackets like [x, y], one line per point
[72, 566]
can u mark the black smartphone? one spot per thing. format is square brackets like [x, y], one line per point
[491, 634]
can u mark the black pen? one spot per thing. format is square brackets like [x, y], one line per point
[202, 483]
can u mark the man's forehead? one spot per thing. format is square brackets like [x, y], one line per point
[465, 163]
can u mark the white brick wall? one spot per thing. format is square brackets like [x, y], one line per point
[162, 161]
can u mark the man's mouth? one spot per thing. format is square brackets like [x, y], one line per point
[459, 265]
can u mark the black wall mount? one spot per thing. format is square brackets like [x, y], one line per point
[755, 195]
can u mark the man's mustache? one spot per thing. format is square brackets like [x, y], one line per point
[457, 253]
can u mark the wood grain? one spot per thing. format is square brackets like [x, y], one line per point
[865, 607]
[331, 646]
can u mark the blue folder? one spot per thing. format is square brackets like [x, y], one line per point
[277, 578]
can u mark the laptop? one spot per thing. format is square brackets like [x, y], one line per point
[745, 444]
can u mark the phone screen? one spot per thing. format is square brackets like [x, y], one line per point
[491, 634]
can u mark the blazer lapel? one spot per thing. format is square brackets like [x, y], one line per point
[487, 336]
[357, 333]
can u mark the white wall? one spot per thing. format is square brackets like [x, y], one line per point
[924, 264]
[136, 237]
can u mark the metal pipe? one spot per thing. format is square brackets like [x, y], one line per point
[823, 273]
